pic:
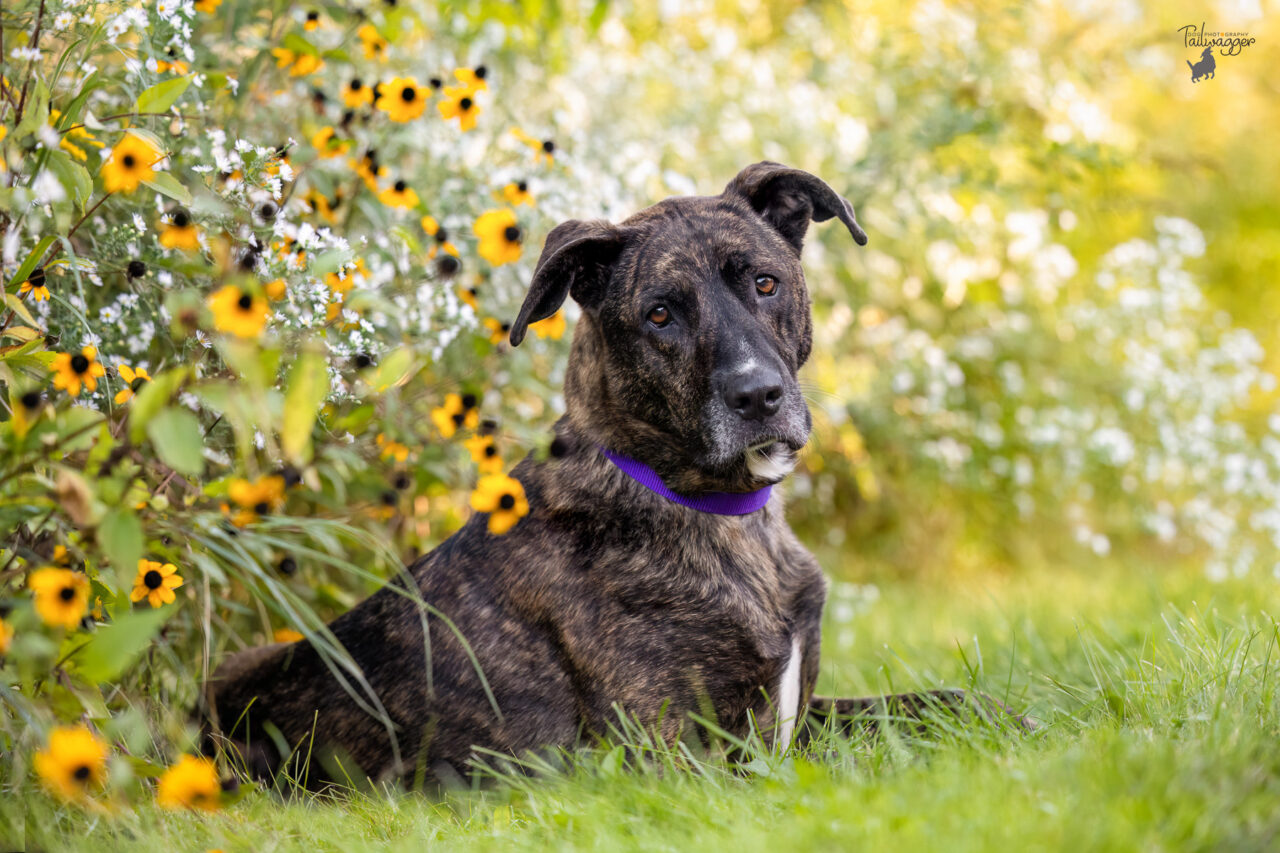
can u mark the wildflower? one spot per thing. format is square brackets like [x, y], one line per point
[543, 149]
[399, 195]
[460, 103]
[135, 379]
[6, 637]
[324, 206]
[286, 635]
[503, 498]
[326, 146]
[180, 232]
[470, 295]
[433, 229]
[27, 412]
[459, 410]
[375, 46]
[61, 596]
[73, 763]
[275, 289]
[498, 330]
[447, 266]
[207, 6]
[136, 269]
[36, 284]
[130, 164]
[356, 94]
[258, 498]
[392, 449]
[517, 193]
[238, 312]
[484, 452]
[368, 168]
[313, 21]
[71, 371]
[299, 64]
[192, 783]
[552, 327]
[499, 235]
[472, 78]
[402, 99]
[155, 583]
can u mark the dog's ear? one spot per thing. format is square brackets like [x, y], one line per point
[576, 260]
[789, 198]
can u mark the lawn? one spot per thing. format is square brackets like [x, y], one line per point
[1155, 690]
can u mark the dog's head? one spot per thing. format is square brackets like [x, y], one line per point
[695, 321]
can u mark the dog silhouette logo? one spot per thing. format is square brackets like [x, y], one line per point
[1204, 68]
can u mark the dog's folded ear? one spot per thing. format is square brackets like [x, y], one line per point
[789, 198]
[576, 260]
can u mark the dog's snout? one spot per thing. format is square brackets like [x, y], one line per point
[754, 396]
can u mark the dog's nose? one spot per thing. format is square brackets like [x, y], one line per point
[754, 396]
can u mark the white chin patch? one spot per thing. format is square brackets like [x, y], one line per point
[772, 462]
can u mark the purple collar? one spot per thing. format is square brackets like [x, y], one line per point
[717, 503]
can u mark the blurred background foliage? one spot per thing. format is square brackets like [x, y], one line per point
[1058, 346]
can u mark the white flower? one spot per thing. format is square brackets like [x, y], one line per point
[63, 20]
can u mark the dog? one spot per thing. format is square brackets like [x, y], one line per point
[654, 574]
[1203, 68]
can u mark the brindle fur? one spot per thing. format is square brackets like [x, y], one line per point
[606, 595]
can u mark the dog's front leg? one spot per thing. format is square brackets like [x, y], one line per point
[851, 716]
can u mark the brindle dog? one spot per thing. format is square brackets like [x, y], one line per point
[607, 595]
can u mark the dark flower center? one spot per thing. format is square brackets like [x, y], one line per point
[407, 94]
[523, 186]
[512, 233]
[548, 146]
[490, 451]
[82, 773]
[505, 327]
[267, 211]
[262, 507]
[481, 72]
[182, 219]
[288, 566]
[468, 401]
[137, 269]
[506, 501]
[465, 104]
[79, 363]
[313, 16]
[290, 475]
[401, 481]
[36, 279]
[137, 383]
[442, 236]
[129, 161]
[447, 265]
[356, 85]
[31, 399]
[67, 593]
[435, 82]
[389, 498]
[400, 186]
[363, 360]
[152, 579]
[458, 419]
[245, 301]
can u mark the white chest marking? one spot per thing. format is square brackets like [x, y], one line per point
[788, 693]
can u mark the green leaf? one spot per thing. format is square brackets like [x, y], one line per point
[73, 176]
[308, 386]
[393, 370]
[166, 184]
[113, 648]
[120, 535]
[161, 96]
[298, 44]
[153, 397]
[30, 263]
[178, 440]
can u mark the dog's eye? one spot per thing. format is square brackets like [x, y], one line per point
[659, 315]
[766, 285]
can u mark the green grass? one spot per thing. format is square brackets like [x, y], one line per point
[1155, 689]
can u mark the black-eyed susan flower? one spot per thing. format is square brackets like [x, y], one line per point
[552, 327]
[459, 410]
[134, 380]
[402, 99]
[61, 596]
[460, 103]
[257, 498]
[207, 6]
[326, 145]
[368, 168]
[73, 763]
[312, 21]
[543, 149]
[471, 296]
[390, 449]
[517, 192]
[498, 330]
[400, 195]
[71, 370]
[136, 269]
[286, 635]
[37, 284]
[323, 205]
[472, 78]
[180, 232]
[484, 452]
[375, 46]
[299, 64]
[356, 94]
[503, 498]
[442, 242]
[500, 236]
[192, 783]
[27, 411]
[132, 161]
[238, 312]
[6, 637]
[275, 289]
[155, 583]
